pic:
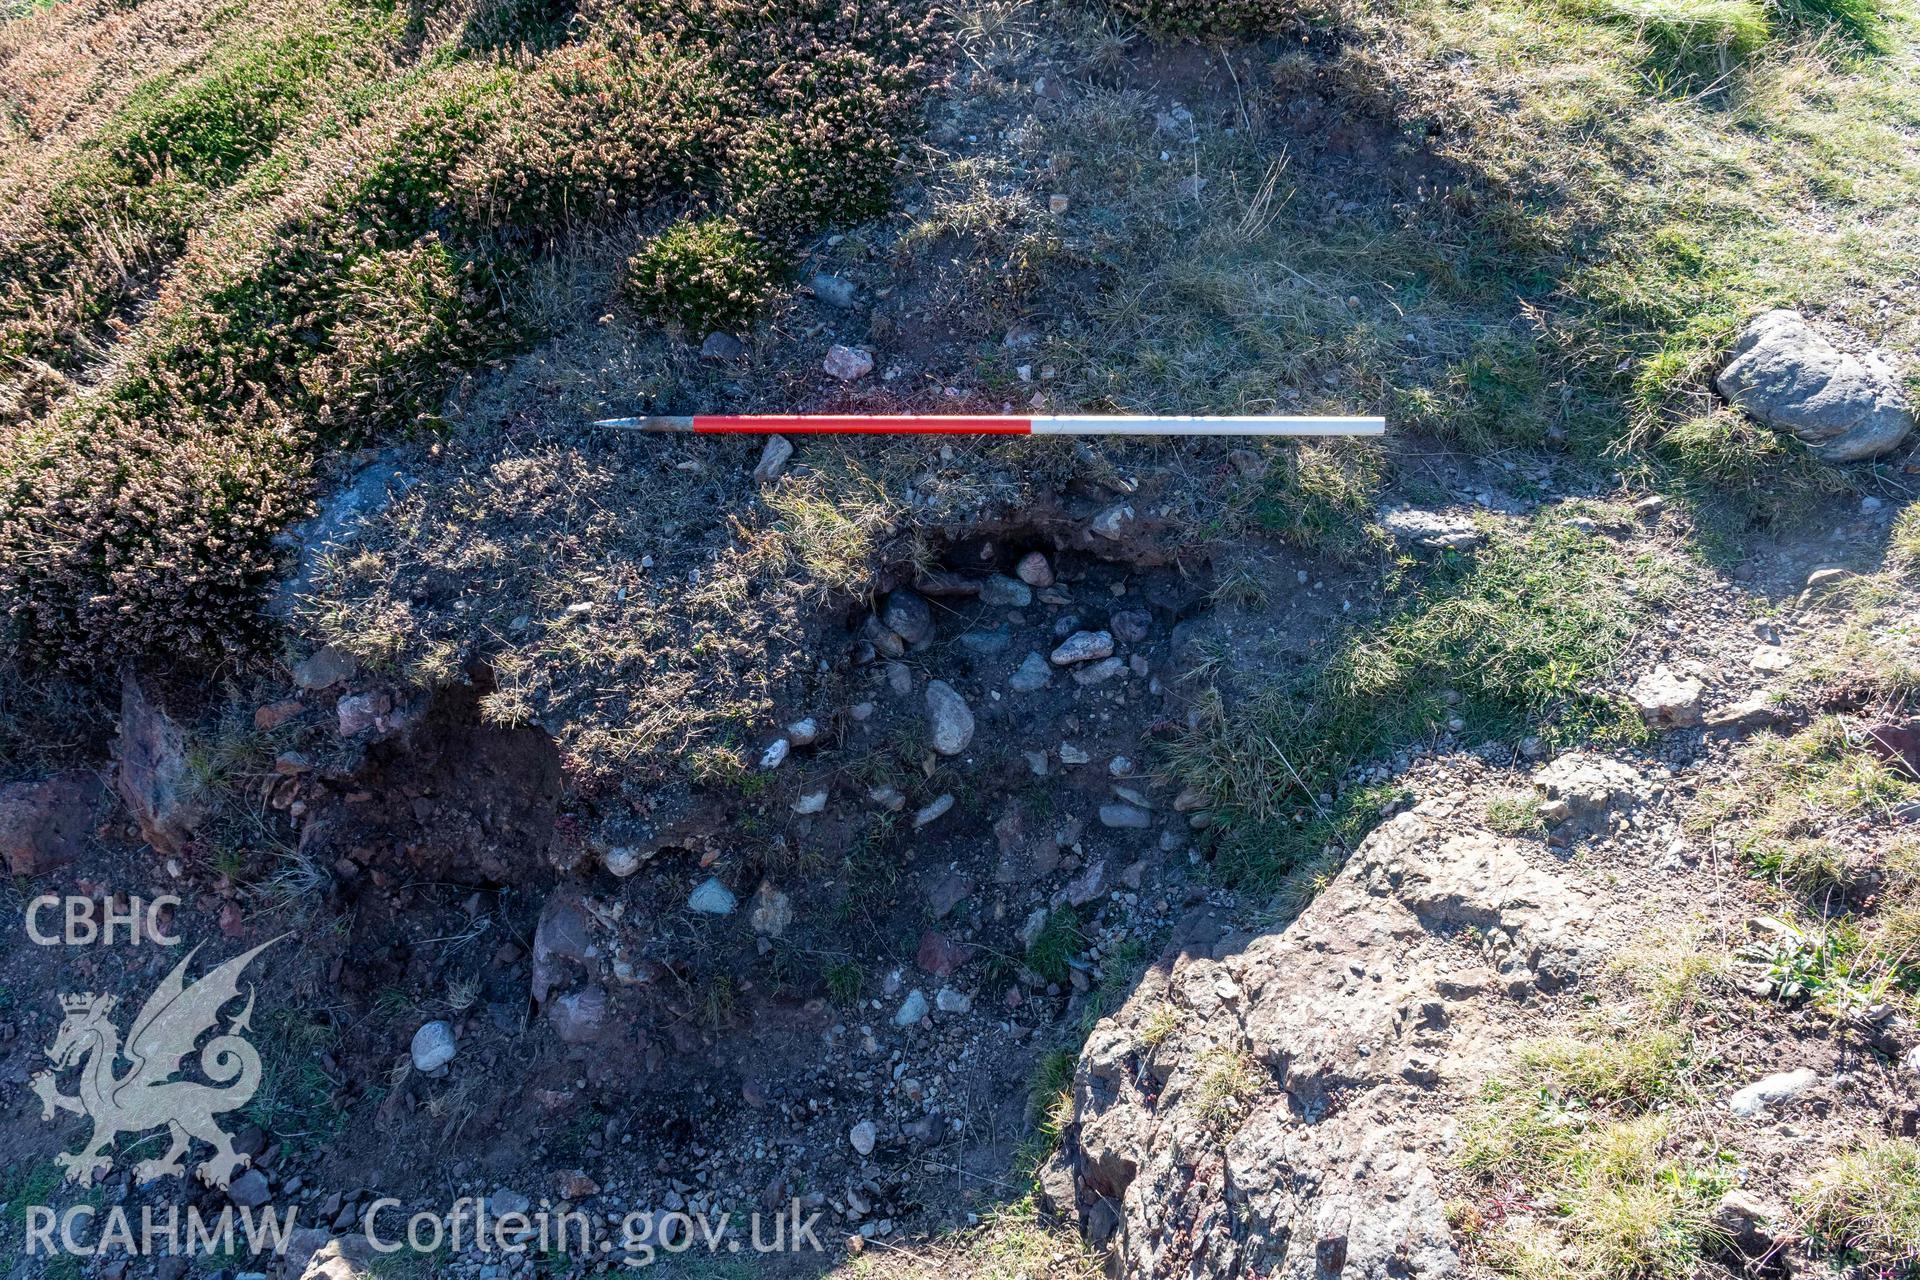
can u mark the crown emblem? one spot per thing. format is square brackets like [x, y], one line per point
[83, 1001]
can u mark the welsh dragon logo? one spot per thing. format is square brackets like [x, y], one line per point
[146, 1096]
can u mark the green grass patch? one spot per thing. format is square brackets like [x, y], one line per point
[1865, 1205]
[1610, 1187]
[1509, 640]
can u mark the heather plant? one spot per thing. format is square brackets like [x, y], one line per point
[702, 274]
[1201, 19]
[141, 521]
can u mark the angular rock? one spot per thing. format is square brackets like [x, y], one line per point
[1130, 626]
[849, 364]
[949, 717]
[44, 824]
[912, 1009]
[712, 898]
[772, 911]
[1667, 700]
[932, 810]
[721, 346]
[153, 777]
[946, 891]
[947, 1000]
[324, 668]
[908, 616]
[1034, 570]
[250, 1190]
[812, 802]
[773, 460]
[1033, 675]
[862, 1136]
[1125, 817]
[580, 1017]
[1788, 376]
[1112, 523]
[1439, 530]
[940, 955]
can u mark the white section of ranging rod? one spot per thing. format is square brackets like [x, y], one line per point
[1131, 425]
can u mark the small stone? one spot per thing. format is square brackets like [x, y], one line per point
[721, 346]
[1770, 657]
[908, 616]
[249, 1190]
[1120, 767]
[1821, 579]
[622, 860]
[986, 643]
[940, 955]
[327, 667]
[1083, 646]
[359, 712]
[849, 364]
[1033, 675]
[1668, 701]
[1070, 754]
[1034, 570]
[932, 811]
[835, 291]
[1650, 508]
[912, 1009]
[1583, 524]
[1112, 523]
[433, 1047]
[1125, 817]
[950, 717]
[803, 733]
[1004, 592]
[1099, 672]
[861, 1137]
[1130, 626]
[772, 911]
[891, 799]
[712, 898]
[773, 460]
[1779, 1087]
[1032, 927]
[948, 891]
[812, 802]
[947, 1000]
[776, 754]
[1438, 530]
[1036, 763]
[1058, 205]
[274, 714]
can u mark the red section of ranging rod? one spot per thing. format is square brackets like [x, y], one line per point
[861, 424]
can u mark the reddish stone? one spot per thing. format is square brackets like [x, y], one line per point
[274, 714]
[941, 955]
[1898, 746]
[44, 824]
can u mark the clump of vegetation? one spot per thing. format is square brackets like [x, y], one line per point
[1512, 639]
[1214, 19]
[702, 275]
[1866, 1205]
[1611, 1187]
[377, 260]
[1517, 814]
[1226, 1082]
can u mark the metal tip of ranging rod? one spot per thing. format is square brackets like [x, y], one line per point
[906, 424]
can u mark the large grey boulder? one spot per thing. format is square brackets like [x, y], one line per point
[1844, 407]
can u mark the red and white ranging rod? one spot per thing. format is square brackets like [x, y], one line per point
[908, 424]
